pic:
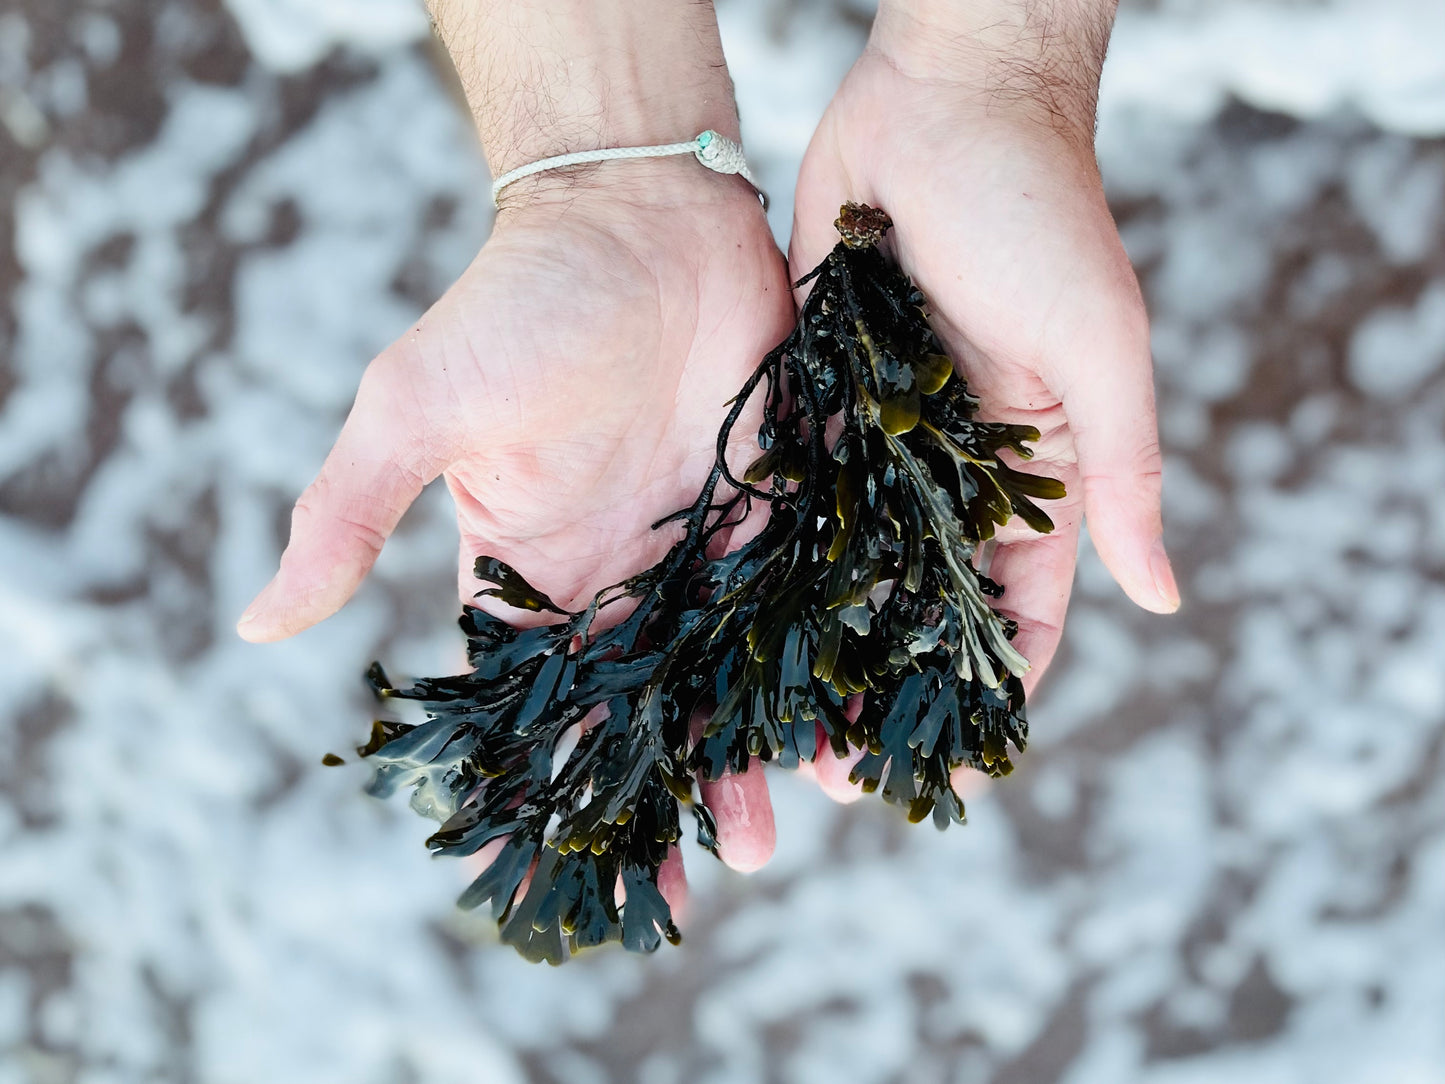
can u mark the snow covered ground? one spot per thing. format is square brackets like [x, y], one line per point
[1224, 858]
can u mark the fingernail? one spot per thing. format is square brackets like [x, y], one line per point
[1164, 584]
[251, 618]
[248, 624]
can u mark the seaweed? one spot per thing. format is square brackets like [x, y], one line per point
[570, 747]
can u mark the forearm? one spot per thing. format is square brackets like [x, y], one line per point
[1044, 54]
[545, 77]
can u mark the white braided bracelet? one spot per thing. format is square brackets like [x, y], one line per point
[717, 152]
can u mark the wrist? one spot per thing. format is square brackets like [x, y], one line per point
[632, 196]
[549, 77]
[1039, 59]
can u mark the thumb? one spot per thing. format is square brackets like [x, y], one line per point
[822, 188]
[385, 454]
[813, 238]
[1110, 408]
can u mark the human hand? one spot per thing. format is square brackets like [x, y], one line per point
[570, 385]
[979, 144]
[569, 388]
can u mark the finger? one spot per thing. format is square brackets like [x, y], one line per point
[822, 188]
[672, 883]
[832, 775]
[386, 452]
[746, 834]
[830, 771]
[1037, 575]
[477, 864]
[813, 238]
[969, 783]
[1109, 401]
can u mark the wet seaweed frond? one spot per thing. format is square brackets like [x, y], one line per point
[570, 744]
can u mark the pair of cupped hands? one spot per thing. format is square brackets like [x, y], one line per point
[569, 386]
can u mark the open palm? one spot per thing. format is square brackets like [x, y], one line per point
[569, 388]
[1000, 218]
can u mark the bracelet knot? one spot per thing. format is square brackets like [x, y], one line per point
[715, 151]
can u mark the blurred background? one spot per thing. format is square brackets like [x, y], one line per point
[1224, 855]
